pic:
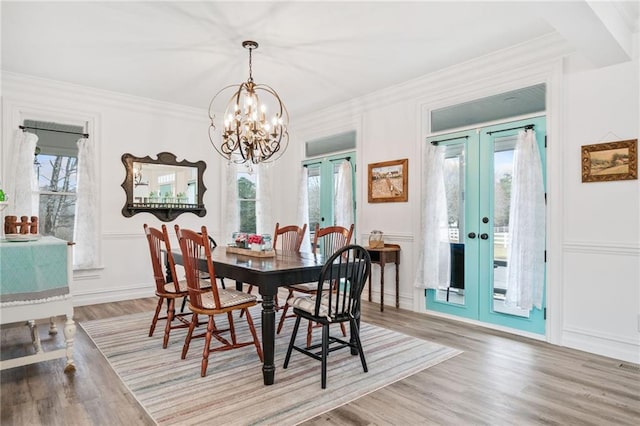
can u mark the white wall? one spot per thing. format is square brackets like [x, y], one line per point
[601, 223]
[593, 270]
[118, 124]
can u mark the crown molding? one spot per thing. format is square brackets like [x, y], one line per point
[28, 85]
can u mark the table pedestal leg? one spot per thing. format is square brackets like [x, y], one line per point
[268, 338]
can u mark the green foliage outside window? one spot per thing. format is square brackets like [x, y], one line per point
[247, 199]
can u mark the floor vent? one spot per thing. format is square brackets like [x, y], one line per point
[630, 367]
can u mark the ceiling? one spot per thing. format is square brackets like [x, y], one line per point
[314, 54]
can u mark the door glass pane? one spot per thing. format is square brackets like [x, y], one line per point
[454, 183]
[336, 169]
[503, 172]
[314, 191]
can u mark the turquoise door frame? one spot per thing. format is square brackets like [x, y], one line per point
[479, 201]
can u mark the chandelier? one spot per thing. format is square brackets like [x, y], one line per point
[255, 121]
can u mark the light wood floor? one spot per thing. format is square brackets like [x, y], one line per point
[500, 379]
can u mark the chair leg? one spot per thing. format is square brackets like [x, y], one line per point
[285, 308]
[325, 353]
[309, 333]
[291, 342]
[156, 315]
[356, 335]
[184, 303]
[167, 328]
[232, 328]
[187, 339]
[254, 334]
[207, 348]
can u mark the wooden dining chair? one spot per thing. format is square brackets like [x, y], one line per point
[166, 290]
[212, 301]
[326, 241]
[286, 238]
[349, 266]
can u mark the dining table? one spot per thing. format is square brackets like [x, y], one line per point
[267, 274]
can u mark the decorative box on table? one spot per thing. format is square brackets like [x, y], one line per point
[255, 245]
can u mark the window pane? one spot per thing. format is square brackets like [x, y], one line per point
[247, 200]
[57, 173]
[248, 216]
[56, 215]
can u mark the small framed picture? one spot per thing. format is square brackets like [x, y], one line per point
[388, 181]
[610, 161]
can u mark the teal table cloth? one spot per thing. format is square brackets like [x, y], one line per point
[33, 270]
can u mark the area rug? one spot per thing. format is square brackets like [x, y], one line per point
[173, 393]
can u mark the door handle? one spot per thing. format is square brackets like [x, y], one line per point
[471, 235]
[484, 236]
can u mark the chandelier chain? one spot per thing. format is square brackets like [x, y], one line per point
[250, 68]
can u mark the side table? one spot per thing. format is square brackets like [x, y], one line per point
[390, 253]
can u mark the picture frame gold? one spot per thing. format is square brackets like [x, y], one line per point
[610, 161]
[388, 181]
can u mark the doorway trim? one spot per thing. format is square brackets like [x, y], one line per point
[499, 81]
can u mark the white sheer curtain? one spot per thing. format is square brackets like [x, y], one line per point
[264, 215]
[86, 229]
[303, 209]
[232, 209]
[22, 183]
[525, 269]
[433, 266]
[344, 195]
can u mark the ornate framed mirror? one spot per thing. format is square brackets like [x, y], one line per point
[164, 187]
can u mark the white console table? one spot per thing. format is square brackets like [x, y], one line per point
[34, 284]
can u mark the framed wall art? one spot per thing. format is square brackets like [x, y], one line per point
[388, 181]
[610, 161]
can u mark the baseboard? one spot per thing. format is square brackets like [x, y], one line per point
[609, 346]
[116, 295]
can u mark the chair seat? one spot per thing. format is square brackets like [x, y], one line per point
[182, 286]
[308, 304]
[308, 287]
[228, 297]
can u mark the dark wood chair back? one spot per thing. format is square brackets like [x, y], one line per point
[347, 271]
[327, 241]
[159, 241]
[290, 237]
[196, 248]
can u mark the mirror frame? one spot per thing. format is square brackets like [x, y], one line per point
[167, 213]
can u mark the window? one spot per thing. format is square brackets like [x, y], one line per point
[56, 163]
[57, 184]
[247, 198]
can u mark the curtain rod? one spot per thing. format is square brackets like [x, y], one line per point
[86, 135]
[526, 127]
[450, 139]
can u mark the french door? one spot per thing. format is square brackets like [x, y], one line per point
[478, 171]
[322, 180]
